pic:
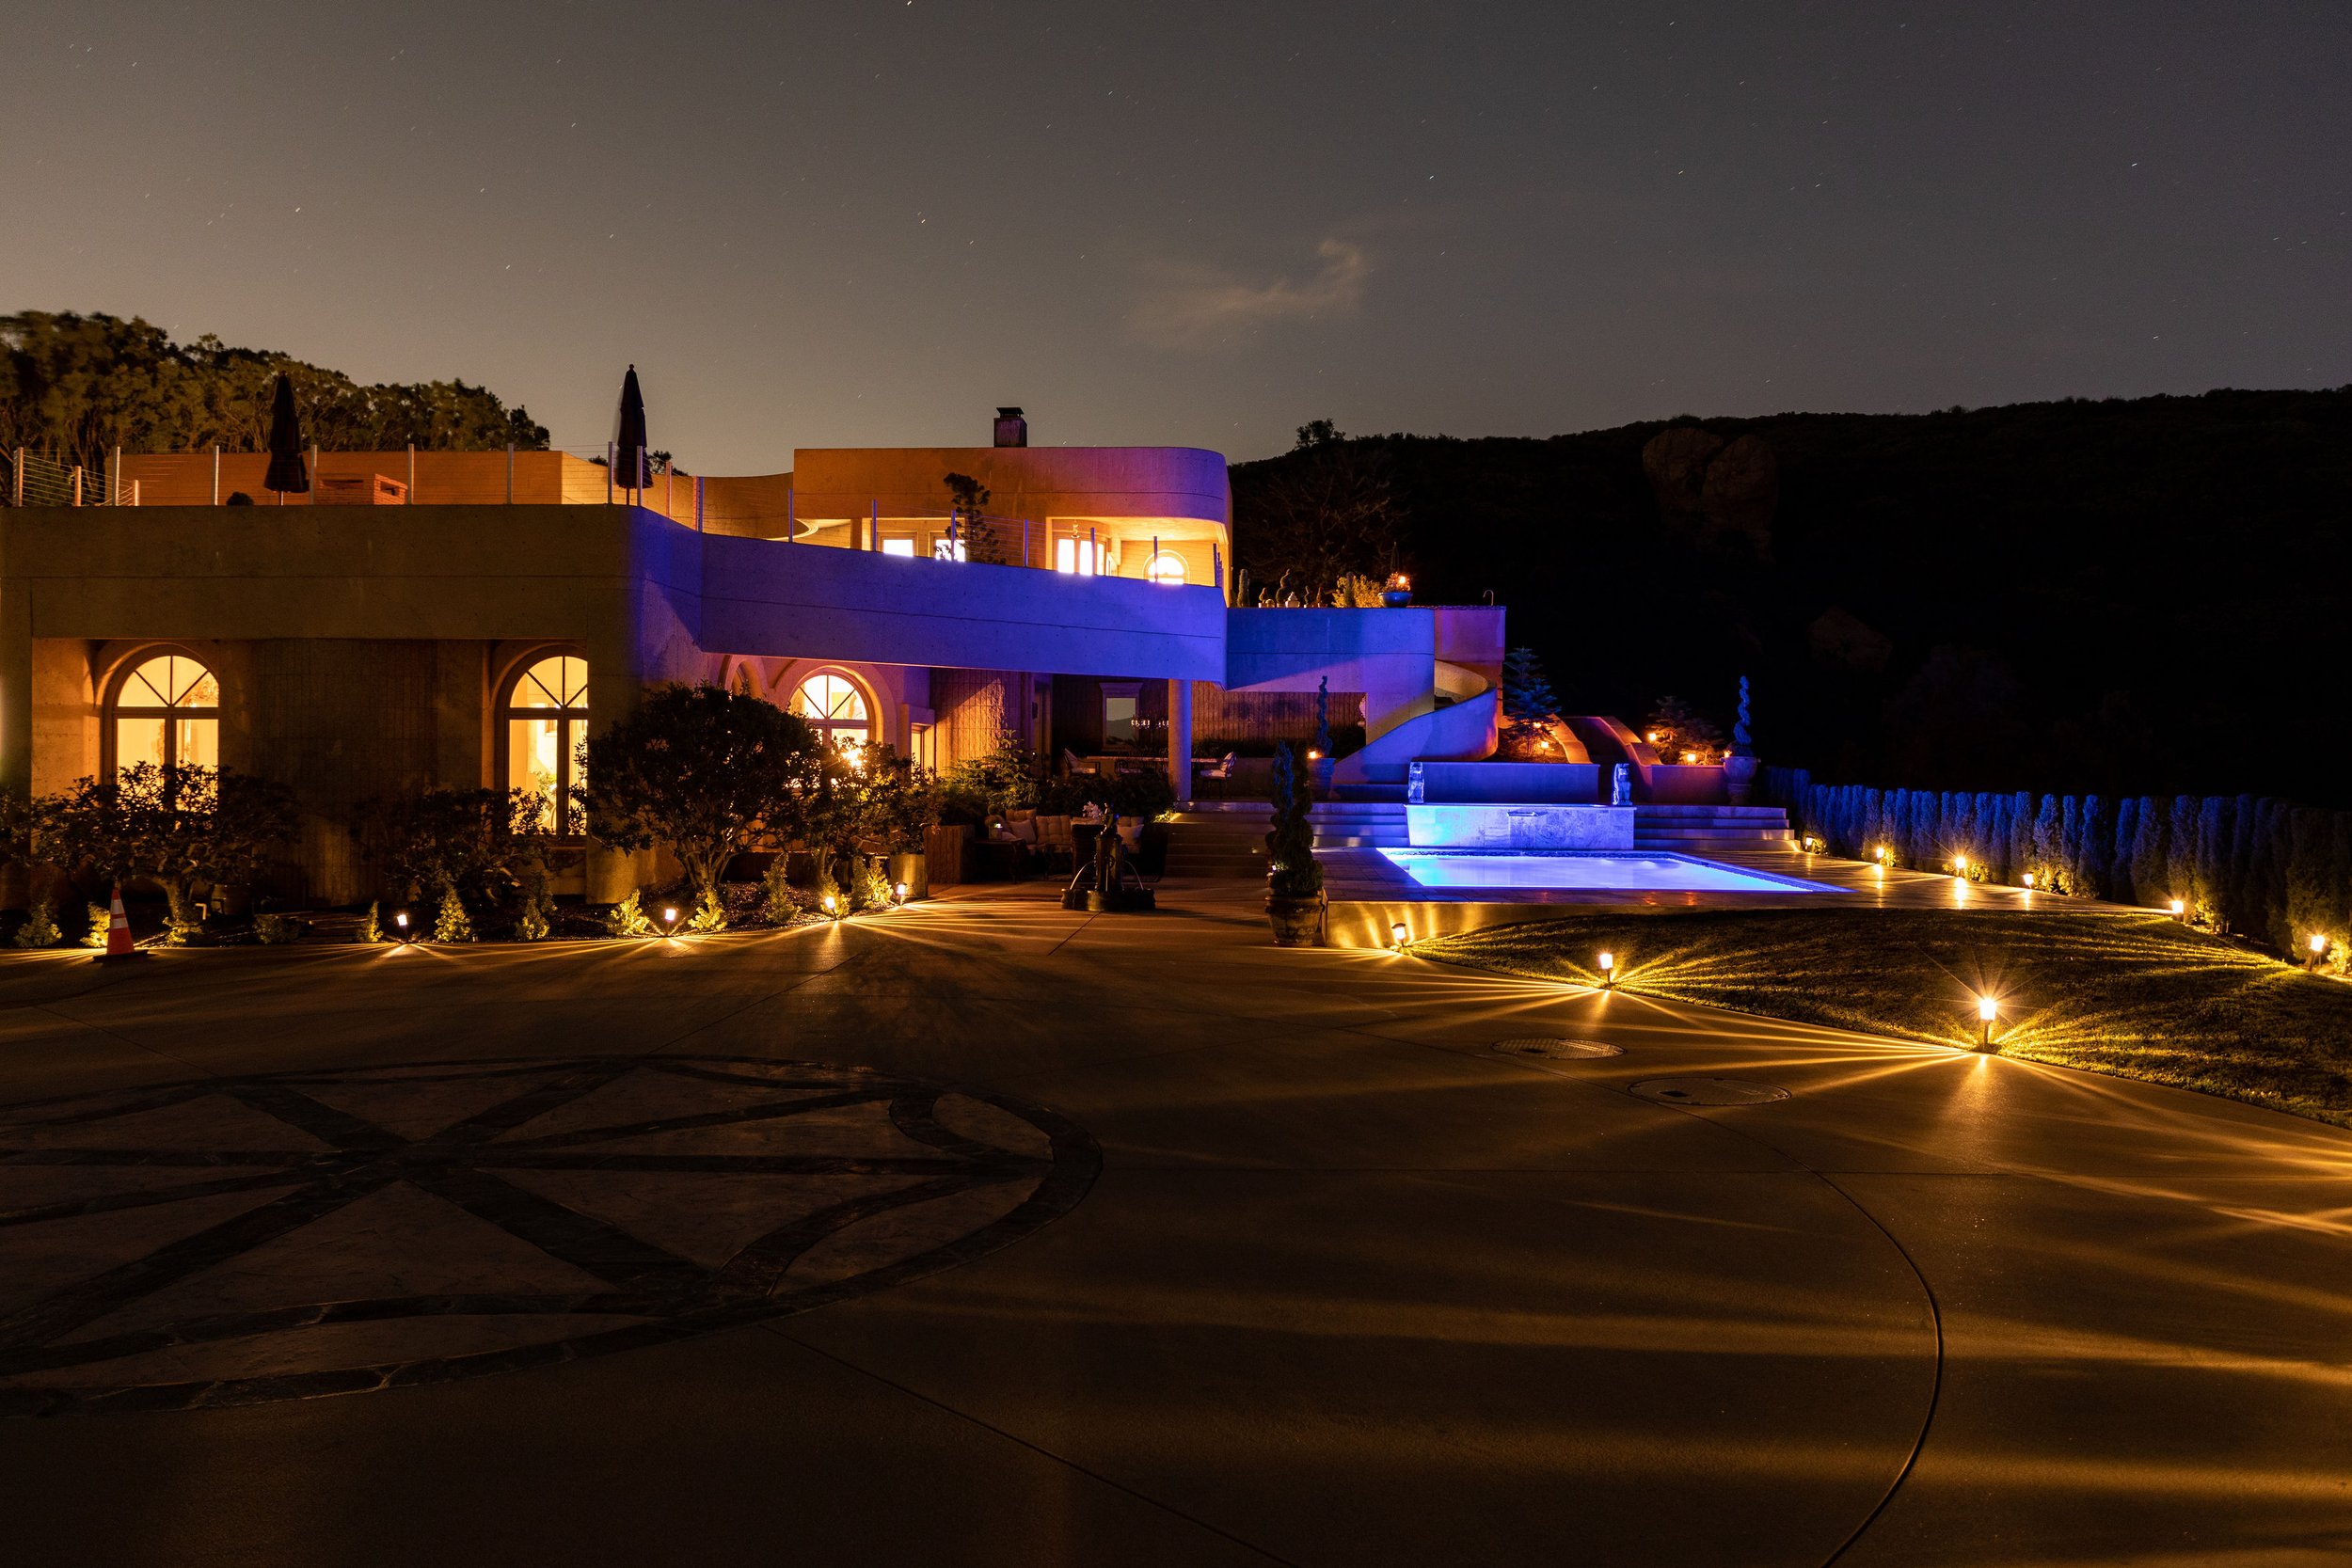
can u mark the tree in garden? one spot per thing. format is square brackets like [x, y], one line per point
[185, 828]
[899, 802]
[1529, 705]
[485, 843]
[2119, 882]
[696, 770]
[2093, 832]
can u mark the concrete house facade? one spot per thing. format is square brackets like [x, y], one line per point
[465, 618]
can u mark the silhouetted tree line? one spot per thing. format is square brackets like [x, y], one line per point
[2248, 865]
[72, 388]
[2107, 595]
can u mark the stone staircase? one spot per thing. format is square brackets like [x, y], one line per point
[1700, 828]
[1227, 838]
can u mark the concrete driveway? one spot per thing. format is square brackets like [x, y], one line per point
[1230, 1255]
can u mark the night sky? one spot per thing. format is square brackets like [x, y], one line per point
[870, 223]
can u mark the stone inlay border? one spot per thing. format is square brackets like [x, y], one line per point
[670, 1296]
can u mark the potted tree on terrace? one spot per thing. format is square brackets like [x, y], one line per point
[696, 770]
[1294, 890]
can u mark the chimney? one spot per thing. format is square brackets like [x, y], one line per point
[1012, 429]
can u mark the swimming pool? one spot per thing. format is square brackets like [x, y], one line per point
[1459, 868]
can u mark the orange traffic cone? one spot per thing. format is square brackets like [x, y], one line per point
[119, 932]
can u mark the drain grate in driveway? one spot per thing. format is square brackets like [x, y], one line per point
[1555, 1049]
[1708, 1091]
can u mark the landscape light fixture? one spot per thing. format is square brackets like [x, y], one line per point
[1879, 855]
[1608, 971]
[899, 894]
[400, 921]
[669, 922]
[2180, 907]
[1960, 866]
[833, 906]
[1986, 1007]
[2028, 881]
[2318, 949]
[1399, 935]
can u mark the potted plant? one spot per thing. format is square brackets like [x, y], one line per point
[1399, 592]
[1739, 766]
[901, 806]
[1293, 883]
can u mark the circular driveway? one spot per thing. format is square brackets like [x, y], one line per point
[1351, 1285]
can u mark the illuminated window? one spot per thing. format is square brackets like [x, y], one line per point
[1075, 555]
[947, 550]
[547, 719]
[1166, 567]
[898, 543]
[838, 709]
[167, 712]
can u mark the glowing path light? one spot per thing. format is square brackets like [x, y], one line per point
[1608, 971]
[1988, 1007]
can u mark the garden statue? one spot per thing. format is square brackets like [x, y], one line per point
[1621, 784]
[1415, 785]
[1740, 765]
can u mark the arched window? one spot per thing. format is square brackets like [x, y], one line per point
[167, 712]
[547, 719]
[1166, 567]
[837, 708]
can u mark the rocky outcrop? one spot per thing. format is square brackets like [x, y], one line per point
[1722, 486]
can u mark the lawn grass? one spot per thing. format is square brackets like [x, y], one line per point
[2138, 995]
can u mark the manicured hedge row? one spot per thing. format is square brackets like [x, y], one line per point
[2249, 864]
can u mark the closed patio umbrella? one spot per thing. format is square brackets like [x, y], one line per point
[630, 469]
[287, 473]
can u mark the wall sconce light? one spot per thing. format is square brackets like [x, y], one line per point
[1987, 1008]
[1608, 971]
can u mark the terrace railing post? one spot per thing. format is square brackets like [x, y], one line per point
[791, 524]
[215, 476]
[77, 485]
[408, 497]
[510, 473]
[1024, 541]
[113, 480]
[20, 477]
[313, 498]
[698, 504]
[608, 473]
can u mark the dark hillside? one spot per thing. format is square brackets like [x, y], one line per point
[2144, 594]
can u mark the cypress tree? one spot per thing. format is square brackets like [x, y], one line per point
[1873, 822]
[2151, 867]
[2213, 860]
[2119, 882]
[2021, 807]
[2093, 829]
[2180, 835]
[2049, 845]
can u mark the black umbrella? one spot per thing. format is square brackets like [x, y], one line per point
[630, 469]
[287, 475]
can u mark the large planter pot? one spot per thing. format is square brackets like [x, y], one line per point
[1740, 779]
[913, 871]
[1296, 922]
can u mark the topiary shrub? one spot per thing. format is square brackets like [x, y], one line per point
[709, 915]
[372, 928]
[40, 928]
[274, 930]
[627, 918]
[453, 923]
[532, 924]
[1291, 869]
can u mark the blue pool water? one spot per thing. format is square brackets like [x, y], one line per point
[1508, 868]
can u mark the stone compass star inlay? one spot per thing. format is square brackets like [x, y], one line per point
[294, 1234]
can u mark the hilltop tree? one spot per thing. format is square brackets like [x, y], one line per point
[966, 497]
[1329, 511]
[1528, 704]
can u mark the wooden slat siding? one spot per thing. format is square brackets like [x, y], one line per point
[975, 710]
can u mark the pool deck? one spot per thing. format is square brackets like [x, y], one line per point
[1370, 893]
